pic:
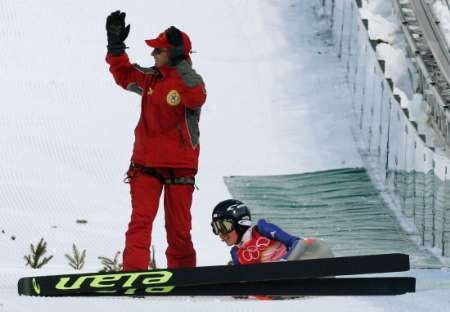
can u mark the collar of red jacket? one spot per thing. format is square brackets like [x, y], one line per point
[165, 70]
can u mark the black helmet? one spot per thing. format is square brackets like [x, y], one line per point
[235, 211]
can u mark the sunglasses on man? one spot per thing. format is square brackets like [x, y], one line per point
[222, 226]
[158, 51]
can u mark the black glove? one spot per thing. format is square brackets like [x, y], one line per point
[176, 50]
[116, 32]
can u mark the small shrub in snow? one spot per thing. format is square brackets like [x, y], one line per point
[111, 265]
[77, 260]
[36, 259]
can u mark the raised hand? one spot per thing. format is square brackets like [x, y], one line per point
[116, 32]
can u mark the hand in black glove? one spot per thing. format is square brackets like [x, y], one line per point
[176, 50]
[116, 32]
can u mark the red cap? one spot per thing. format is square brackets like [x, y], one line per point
[161, 42]
[158, 42]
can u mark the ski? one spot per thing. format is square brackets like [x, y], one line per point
[373, 286]
[302, 287]
[63, 285]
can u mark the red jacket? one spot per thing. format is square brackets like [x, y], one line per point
[167, 134]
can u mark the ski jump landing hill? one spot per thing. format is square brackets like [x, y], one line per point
[278, 116]
[279, 102]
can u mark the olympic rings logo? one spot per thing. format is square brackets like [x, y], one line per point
[253, 252]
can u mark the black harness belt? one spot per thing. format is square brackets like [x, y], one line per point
[171, 179]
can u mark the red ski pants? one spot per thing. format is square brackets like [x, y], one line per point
[145, 195]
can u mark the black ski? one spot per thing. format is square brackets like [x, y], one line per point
[63, 285]
[373, 286]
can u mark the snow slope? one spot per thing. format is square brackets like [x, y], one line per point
[276, 104]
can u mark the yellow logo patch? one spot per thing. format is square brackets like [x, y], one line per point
[173, 98]
[149, 91]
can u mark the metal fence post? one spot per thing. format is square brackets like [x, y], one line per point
[445, 214]
[341, 39]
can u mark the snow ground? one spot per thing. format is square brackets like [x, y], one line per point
[276, 104]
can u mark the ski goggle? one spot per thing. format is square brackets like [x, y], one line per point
[222, 226]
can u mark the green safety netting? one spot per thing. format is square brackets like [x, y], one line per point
[340, 206]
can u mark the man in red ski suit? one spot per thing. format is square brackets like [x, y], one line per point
[166, 147]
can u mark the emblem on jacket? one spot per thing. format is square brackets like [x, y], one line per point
[149, 91]
[173, 98]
